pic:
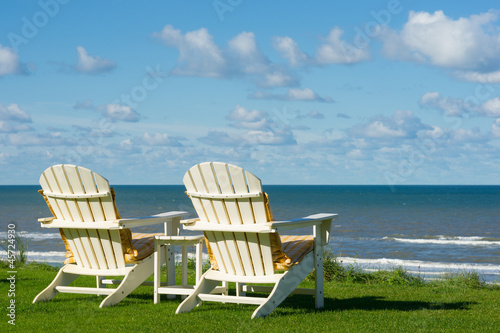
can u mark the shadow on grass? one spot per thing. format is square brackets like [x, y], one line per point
[372, 303]
[379, 303]
[301, 303]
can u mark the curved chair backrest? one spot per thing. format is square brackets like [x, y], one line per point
[226, 194]
[76, 194]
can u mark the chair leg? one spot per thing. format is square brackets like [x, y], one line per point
[62, 279]
[157, 257]
[225, 288]
[134, 278]
[285, 286]
[184, 265]
[170, 260]
[203, 287]
[199, 261]
[99, 282]
[240, 291]
[319, 296]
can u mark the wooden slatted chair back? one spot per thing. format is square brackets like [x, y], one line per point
[77, 194]
[226, 194]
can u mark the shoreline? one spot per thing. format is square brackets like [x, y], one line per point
[427, 270]
[489, 272]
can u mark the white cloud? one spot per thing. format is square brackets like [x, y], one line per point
[89, 64]
[467, 136]
[466, 44]
[270, 137]
[450, 138]
[117, 112]
[289, 49]
[357, 154]
[337, 51]
[244, 57]
[244, 118]
[276, 77]
[85, 105]
[315, 114]
[13, 119]
[495, 128]
[9, 61]
[379, 129]
[293, 94]
[12, 112]
[333, 50]
[434, 133]
[261, 129]
[402, 124]
[453, 107]
[492, 77]
[305, 94]
[243, 114]
[243, 48]
[491, 108]
[222, 138]
[9, 127]
[38, 139]
[159, 139]
[264, 128]
[456, 107]
[198, 54]
[126, 147]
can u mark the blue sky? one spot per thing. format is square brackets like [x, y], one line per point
[330, 92]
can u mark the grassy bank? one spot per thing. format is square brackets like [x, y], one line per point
[354, 302]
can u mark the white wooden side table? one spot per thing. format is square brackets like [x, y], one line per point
[164, 251]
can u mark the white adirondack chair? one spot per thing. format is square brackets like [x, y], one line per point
[244, 241]
[99, 241]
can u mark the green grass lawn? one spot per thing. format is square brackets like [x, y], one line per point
[351, 305]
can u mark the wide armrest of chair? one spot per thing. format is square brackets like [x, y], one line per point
[197, 225]
[149, 220]
[322, 224]
[113, 225]
[268, 227]
[45, 220]
[304, 222]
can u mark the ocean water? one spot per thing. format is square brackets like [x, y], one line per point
[428, 230]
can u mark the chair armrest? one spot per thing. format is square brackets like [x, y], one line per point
[44, 220]
[150, 220]
[206, 226]
[55, 223]
[189, 222]
[321, 223]
[114, 225]
[269, 227]
[304, 222]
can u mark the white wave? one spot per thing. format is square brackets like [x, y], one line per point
[423, 268]
[47, 254]
[48, 257]
[33, 235]
[443, 240]
[417, 263]
[40, 236]
[59, 257]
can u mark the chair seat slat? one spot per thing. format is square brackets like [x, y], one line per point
[76, 195]
[223, 195]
